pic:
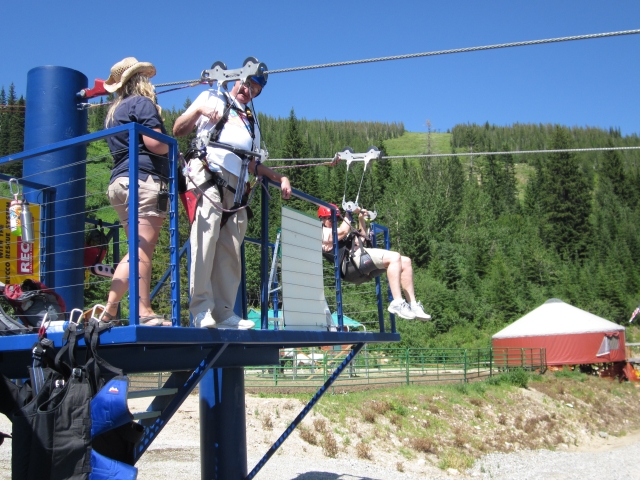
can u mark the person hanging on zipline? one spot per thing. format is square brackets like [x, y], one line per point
[219, 222]
[398, 267]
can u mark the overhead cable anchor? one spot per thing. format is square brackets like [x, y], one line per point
[349, 156]
[219, 73]
[97, 90]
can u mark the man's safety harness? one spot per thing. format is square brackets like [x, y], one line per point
[243, 191]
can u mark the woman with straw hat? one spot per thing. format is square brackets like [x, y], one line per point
[135, 102]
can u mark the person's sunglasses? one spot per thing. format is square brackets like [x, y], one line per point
[255, 89]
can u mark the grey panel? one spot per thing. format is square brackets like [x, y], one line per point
[298, 216]
[301, 227]
[300, 266]
[306, 306]
[302, 276]
[301, 279]
[303, 241]
[306, 293]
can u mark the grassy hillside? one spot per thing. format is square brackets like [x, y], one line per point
[415, 143]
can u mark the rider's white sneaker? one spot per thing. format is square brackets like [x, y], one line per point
[417, 309]
[236, 322]
[402, 309]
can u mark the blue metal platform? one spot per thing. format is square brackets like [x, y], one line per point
[140, 349]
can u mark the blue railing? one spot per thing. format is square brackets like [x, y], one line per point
[134, 130]
[171, 275]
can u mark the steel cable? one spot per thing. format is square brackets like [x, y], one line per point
[434, 53]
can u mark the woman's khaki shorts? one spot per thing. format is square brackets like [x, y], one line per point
[118, 194]
[376, 254]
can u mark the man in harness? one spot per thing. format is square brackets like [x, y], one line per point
[398, 267]
[218, 222]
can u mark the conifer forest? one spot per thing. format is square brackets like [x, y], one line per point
[491, 236]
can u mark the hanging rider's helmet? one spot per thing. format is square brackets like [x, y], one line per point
[325, 212]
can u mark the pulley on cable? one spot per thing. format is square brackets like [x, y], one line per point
[349, 156]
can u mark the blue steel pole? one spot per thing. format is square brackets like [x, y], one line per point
[174, 234]
[264, 257]
[387, 245]
[134, 270]
[374, 241]
[336, 267]
[240, 307]
[223, 428]
[53, 116]
[334, 376]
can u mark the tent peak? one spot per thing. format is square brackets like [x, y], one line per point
[553, 300]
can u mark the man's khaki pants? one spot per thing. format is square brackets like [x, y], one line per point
[216, 266]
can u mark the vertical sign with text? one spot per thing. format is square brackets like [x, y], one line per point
[18, 260]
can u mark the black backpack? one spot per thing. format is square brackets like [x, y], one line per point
[66, 421]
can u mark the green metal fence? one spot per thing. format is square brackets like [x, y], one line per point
[304, 368]
[310, 367]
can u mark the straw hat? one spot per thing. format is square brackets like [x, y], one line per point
[124, 70]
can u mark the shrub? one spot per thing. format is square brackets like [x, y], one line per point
[308, 436]
[320, 425]
[518, 378]
[267, 424]
[422, 444]
[363, 450]
[329, 445]
[368, 415]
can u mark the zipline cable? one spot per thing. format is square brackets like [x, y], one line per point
[437, 52]
[464, 154]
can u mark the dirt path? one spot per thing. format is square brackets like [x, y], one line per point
[175, 454]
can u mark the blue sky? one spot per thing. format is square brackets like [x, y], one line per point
[590, 82]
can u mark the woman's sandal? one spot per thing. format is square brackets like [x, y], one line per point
[108, 318]
[154, 321]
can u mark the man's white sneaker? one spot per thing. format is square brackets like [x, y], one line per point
[418, 311]
[402, 309]
[204, 320]
[236, 322]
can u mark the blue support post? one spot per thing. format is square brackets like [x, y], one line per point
[336, 267]
[240, 307]
[264, 257]
[174, 235]
[387, 245]
[223, 435]
[53, 116]
[134, 268]
[374, 241]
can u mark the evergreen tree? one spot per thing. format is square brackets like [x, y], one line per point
[16, 128]
[566, 199]
[98, 114]
[4, 119]
[11, 129]
[381, 171]
[612, 171]
[498, 180]
[304, 178]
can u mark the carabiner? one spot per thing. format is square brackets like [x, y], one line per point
[17, 192]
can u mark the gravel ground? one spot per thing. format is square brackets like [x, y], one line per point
[175, 455]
